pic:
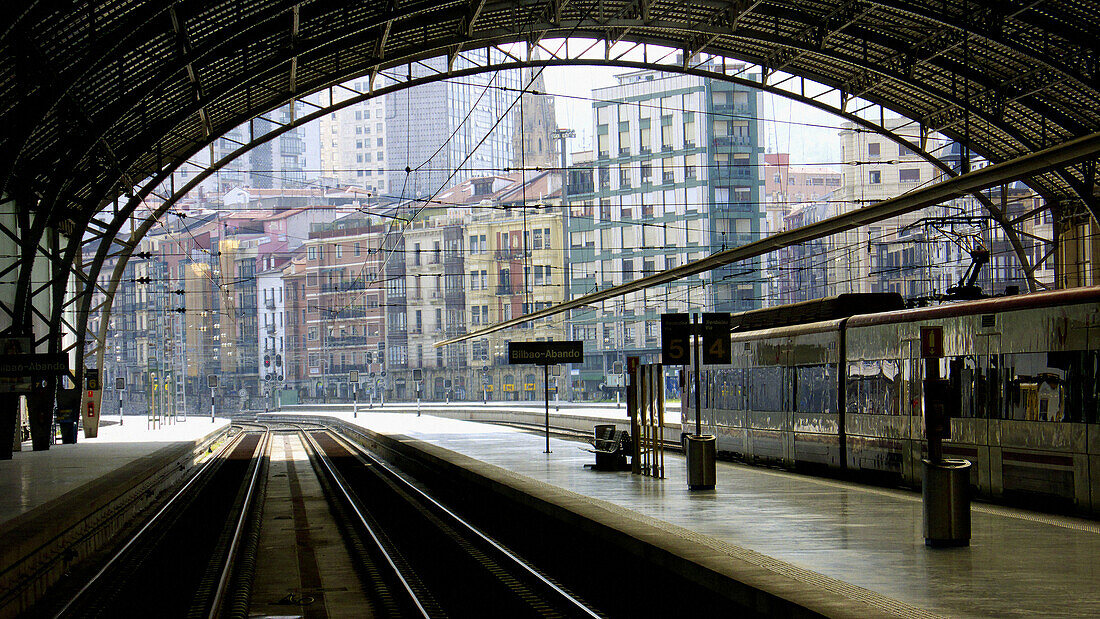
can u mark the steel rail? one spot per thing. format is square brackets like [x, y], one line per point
[149, 524]
[341, 485]
[363, 455]
[1021, 167]
[238, 530]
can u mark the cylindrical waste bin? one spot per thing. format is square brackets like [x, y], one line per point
[946, 490]
[701, 450]
[68, 432]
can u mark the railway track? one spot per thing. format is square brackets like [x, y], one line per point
[183, 560]
[431, 561]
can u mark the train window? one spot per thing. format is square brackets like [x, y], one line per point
[734, 397]
[766, 388]
[960, 373]
[988, 387]
[1035, 388]
[873, 387]
[1052, 386]
[815, 389]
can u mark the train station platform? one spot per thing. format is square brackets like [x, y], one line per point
[837, 548]
[61, 504]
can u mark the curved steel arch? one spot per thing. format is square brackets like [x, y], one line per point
[1004, 78]
[973, 62]
[123, 215]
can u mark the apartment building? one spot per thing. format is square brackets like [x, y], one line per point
[675, 178]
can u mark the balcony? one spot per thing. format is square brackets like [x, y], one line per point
[733, 173]
[348, 340]
[504, 289]
[508, 254]
[269, 304]
[732, 140]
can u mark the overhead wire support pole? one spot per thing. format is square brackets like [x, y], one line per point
[990, 176]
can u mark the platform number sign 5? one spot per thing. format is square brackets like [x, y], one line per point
[675, 339]
[716, 338]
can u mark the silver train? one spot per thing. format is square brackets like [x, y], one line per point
[1025, 389]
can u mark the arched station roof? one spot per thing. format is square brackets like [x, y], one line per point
[98, 95]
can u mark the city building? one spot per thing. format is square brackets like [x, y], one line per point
[675, 178]
[336, 296]
[276, 164]
[353, 140]
[533, 144]
[448, 131]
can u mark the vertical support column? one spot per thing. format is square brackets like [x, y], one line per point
[635, 422]
[546, 392]
[40, 403]
[9, 419]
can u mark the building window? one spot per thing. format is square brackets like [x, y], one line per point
[873, 149]
[355, 249]
[874, 177]
[339, 251]
[909, 175]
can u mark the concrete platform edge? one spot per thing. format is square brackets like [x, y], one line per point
[38, 547]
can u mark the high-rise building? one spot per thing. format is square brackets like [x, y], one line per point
[675, 179]
[451, 130]
[276, 164]
[353, 140]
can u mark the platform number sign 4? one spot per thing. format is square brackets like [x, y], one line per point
[716, 338]
[675, 339]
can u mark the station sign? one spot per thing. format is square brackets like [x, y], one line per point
[120, 383]
[716, 338]
[353, 376]
[212, 381]
[91, 379]
[546, 353]
[36, 365]
[675, 339]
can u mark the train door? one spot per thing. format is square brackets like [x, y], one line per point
[988, 387]
[788, 402]
[913, 411]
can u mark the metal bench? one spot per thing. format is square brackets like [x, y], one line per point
[611, 447]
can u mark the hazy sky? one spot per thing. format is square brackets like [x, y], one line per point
[809, 135]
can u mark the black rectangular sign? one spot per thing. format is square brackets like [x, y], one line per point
[675, 339]
[36, 365]
[546, 353]
[716, 338]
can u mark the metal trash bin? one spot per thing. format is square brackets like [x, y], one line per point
[701, 451]
[946, 490]
[68, 432]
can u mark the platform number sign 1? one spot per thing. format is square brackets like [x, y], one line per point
[716, 338]
[675, 339]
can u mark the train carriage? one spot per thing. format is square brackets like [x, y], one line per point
[1024, 373]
